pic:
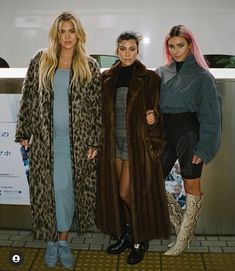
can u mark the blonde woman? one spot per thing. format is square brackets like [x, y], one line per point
[60, 112]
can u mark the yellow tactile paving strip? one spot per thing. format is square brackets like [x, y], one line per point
[219, 262]
[100, 261]
[28, 257]
[96, 261]
[39, 265]
[151, 262]
[184, 262]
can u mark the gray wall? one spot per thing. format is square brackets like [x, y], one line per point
[25, 23]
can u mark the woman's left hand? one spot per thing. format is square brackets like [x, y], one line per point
[196, 160]
[150, 117]
[91, 153]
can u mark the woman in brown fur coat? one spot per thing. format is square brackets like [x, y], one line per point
[131, 199]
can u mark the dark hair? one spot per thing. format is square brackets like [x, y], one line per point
[176, 30]
[3, 63]
[129, 36]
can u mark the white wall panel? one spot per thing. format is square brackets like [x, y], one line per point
[25, 23]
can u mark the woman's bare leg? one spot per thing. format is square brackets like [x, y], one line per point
[193, 186]
[63, 235]
[122, 169]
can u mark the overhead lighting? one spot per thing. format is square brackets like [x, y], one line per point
[146, 40]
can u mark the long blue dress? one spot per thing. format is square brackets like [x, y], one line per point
[63, 183]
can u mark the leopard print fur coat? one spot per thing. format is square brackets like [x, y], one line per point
[35, 119]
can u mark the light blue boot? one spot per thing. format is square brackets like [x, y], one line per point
[51, 255]
[65, 254]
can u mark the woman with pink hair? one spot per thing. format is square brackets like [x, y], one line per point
[191, 107]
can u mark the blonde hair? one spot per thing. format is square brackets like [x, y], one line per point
[50, 57]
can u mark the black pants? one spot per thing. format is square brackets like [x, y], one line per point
[182, 134]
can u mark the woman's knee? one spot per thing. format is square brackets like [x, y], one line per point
[124, 196]
[192, 187]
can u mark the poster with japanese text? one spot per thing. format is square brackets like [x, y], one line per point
[13, 164]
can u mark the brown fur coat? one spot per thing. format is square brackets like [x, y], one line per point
[150, 218]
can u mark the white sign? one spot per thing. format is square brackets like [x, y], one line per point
[13, 179]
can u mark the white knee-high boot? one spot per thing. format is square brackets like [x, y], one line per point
[188, 224]
[176, 214]
[175, 211]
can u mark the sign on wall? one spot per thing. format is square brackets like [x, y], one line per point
[13, 165]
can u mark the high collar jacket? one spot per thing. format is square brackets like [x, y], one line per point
[193, 89]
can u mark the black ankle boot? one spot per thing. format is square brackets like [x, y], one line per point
[122, 243]
[137, 252]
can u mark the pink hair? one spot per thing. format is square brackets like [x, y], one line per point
[182, 31]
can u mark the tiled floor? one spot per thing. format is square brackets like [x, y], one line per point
[206, 253]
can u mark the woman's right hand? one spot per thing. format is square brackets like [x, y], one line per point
[25, 143]
[92, 152]
[150, 117]
[196, 160]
